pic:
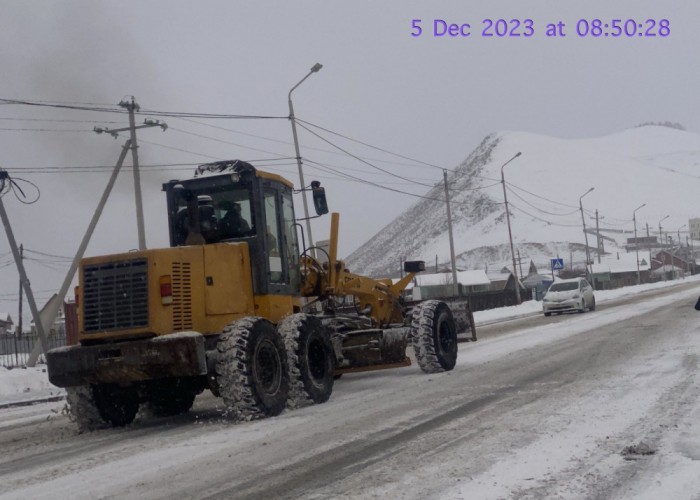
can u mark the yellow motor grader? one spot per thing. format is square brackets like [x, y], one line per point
[233, 306]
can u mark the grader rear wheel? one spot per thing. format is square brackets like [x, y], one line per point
[172, 396]
[434, 337]
[252, 372]
[116, 405]
[82, 408]
[311, 360]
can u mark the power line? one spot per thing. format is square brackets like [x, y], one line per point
[373, 147]
[11, 129]
[541, 219]
[227, 142]
[370, 183]
[307, 147]
[540, 209]
[47, 254]
[108, 109]
[180, 150]
[56, 120]
[361, 160]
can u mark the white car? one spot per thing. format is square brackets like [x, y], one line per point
[568, 295]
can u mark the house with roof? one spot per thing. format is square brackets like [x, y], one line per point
[6, 323]
[485, 290]
[439, 285]
[615, 271]
[669, 264]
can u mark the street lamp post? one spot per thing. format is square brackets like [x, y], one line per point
[661, 242]
[679, 234]
[585, 235]
[636, 246]
[680, 245]
[315, 68]
[510, 234]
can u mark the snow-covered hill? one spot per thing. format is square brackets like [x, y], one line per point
[652, 165]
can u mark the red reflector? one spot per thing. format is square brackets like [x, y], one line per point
[166, 290]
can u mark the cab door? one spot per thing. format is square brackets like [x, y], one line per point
[280, 240]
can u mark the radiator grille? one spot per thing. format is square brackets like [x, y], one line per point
[182, 296]
[115, 295]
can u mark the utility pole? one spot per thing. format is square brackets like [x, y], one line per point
[636, 244]
[600, 240]
[24, 281]
[455, 285]
[649, 246]
[51, 309]
[314, 69]
[518, 301]
[132, 107]
[18, 333]
[520, 262]
[585, 235]
[661, 245]
[571, 261]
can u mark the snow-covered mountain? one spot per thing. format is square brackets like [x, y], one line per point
[652, 165]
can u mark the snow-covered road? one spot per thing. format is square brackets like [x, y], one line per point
[554, 408]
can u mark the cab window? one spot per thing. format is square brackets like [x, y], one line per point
[290, 240]
[272, 237]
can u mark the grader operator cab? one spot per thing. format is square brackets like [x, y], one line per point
[233, 306]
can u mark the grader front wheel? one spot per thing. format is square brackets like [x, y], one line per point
[434, 336]
[311, 360]
[82, 408]
[252, 372]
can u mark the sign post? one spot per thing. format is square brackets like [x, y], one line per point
[557, 265]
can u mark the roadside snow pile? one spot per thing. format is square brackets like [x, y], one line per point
[532, 307]
[26, 384]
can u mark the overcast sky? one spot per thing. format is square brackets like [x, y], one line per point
[429, 98]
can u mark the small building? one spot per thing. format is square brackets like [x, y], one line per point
[621, 270]
[679, 258]
[6, 323]
[666, 272]
[437, 285]
[537, 284]
[485, 290]
[694, 228]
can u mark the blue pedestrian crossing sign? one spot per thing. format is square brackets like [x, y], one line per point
[557, 264]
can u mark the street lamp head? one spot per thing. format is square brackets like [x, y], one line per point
[506, 163]
[584, 194]
[316, 67]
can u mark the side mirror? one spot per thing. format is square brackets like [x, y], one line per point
[414, 266]
[319, 196]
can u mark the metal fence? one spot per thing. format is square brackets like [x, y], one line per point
[15, 351]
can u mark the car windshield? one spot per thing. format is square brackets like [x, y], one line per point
[564, 287]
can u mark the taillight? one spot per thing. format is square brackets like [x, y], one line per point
[166, 290]
[76, 291]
